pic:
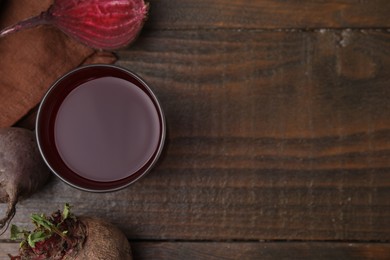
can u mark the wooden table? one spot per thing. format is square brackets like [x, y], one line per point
[278, 145]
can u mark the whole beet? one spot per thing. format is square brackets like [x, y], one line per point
[22, 170]
[103, 241]
[64, 235]
[100, 24]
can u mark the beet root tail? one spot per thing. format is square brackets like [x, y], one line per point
[25, 24]
[10, 213]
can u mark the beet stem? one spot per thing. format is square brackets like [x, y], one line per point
[42, 18]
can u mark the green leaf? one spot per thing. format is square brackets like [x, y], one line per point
[22, 244]
[42, 221]
[66, 211]
[16, 233]
[36, 237]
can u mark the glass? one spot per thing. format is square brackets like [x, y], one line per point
[100, 128]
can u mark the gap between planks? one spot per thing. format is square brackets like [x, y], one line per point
[254, 29]
[261, 241]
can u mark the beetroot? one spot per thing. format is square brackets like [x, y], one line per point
[22, 170]
[100, 24]
[103, 241]
[65, 236]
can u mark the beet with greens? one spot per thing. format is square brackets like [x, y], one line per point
[65, 236]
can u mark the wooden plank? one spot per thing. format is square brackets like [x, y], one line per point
[246, 250]
[268, 14]
[272, 135]
[234, 204]
[315, 100]
[256, 251]
[8, 248]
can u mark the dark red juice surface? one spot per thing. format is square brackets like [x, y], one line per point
[106, 129]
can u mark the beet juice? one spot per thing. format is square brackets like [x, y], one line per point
[100, 128]
[106, 129]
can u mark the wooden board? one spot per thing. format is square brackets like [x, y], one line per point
[239, 205]
[255, 251]
[283, 136]
[296, 101]
[245, 250]
[278, 143]
[268, 14]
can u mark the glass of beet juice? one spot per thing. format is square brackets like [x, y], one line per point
[100, 128]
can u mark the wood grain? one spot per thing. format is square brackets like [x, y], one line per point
[214, 204]
[303, 101]
[245, 250]
[256, 251]
[271, 136]
[278, 141]
[268, 14]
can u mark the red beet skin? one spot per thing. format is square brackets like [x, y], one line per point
[100, 24]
